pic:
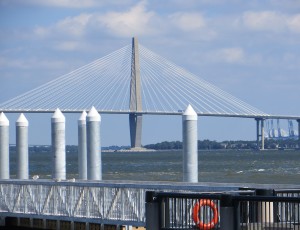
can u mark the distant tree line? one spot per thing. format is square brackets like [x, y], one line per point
[177, 145]
[208, 144]
[69, 148]
[43, 148]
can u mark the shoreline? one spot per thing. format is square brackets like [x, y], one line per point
[199, 150]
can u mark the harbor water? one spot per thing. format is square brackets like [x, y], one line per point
[264, 167]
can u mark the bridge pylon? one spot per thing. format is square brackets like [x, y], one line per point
[135, 119]
[261, 134]
[298, 120]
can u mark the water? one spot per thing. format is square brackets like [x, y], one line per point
[266, 167]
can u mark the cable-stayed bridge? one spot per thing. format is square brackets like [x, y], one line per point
[134, 80]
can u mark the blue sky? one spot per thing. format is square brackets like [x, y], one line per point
[247, 48]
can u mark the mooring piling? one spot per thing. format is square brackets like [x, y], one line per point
[4, 147]
[58, 145]
[82, 147]
[190, 145]
[94, 164]
[22, 147]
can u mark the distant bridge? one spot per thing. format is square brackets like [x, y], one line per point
[134, 80]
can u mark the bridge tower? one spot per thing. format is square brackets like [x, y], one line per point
[135, 117]
[298, 120]
[261, 134]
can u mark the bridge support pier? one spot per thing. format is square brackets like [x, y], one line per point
[298, 133]
[257, 133]
[260, 133]
[135, 123]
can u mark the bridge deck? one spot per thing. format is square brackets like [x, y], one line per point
[290, 117]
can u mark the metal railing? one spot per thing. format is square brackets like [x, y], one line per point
[288, 212]
[173, 205]
[256, 209]
[259, 212]
[188, 211]
[105, 202]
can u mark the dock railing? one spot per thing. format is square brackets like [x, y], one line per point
[154, 205]
[238, 210]
[99, 202]
[79, 201]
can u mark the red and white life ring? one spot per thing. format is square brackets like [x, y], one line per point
[196, 214]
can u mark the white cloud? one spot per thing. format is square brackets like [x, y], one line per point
[294, 23]
[74, 26]
[228, 55]
[271, 21]
[69, 45]
[41, 31]
[27, 64]
[71, 26]
[191, 25]
[55, 3]
[188, 21]
[286, 4]
[136, 21]
[264, 21]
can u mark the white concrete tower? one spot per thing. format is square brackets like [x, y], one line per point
[4, 147]
[58, 145]
[190, 145]
[94, 164]
[82, 148]
[22, 147]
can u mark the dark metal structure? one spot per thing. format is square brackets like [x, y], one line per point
[244, 209]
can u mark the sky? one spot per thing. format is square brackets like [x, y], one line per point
[250, 49]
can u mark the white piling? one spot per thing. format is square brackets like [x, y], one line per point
[58, 145]
[190, 145]
[22, 147]
[94, 165]
[4, 147]
[82, 148]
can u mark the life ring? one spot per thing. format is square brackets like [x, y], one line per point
[196, 214]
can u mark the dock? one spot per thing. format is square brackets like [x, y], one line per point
[49, 204]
